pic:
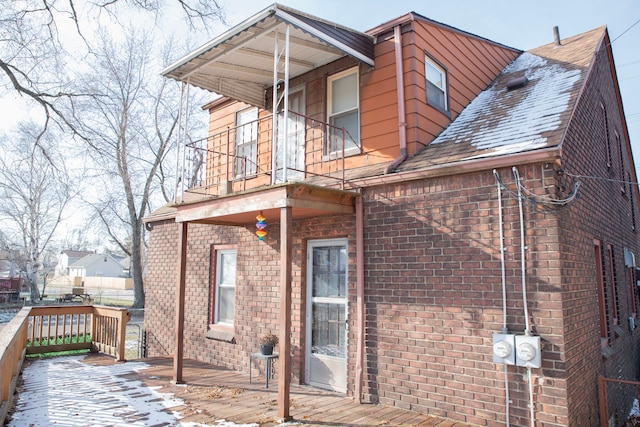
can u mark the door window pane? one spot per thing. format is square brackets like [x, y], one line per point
[329, 329]
[329, 272]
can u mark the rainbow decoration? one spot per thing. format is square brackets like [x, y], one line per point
[261, 225]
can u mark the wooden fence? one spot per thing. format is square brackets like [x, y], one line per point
[37, 330]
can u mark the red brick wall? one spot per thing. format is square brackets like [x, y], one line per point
[434, 294]
[433, 290]
[159, 288]
[603, 212]
[257, 289]
[433, 285]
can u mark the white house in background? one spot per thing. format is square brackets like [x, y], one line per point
[96, 265]
[67, 258]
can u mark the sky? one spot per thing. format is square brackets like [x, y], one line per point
[521, 25]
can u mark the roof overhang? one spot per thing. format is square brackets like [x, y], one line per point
[306, 201]
[239, 63]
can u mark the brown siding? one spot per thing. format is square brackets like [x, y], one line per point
[471, 64]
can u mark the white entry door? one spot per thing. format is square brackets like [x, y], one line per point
[294, 143]
[326, 362]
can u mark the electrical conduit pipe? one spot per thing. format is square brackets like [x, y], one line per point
[505, 330]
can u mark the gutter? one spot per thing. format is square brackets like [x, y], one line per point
[463, 166]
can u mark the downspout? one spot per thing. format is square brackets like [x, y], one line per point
[360, 297]
[402, 120]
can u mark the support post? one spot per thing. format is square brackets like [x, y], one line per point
[178, 354]
[284, 361]
[360, 309]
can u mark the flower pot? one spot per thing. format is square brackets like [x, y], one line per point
[266, 349]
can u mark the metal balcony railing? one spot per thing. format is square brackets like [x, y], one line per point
[248, 156]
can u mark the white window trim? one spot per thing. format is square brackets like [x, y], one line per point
[352, 150]
[219, 254]
[445, 90]
[253, 167]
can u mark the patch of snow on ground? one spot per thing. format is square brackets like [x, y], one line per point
[7, 314]
[635, 410]
[66, 392]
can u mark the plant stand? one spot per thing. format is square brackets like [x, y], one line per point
[269, 359]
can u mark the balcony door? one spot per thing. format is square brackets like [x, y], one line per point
[294, 143]
[326, 358]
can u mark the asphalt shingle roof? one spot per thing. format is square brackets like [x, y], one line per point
[501, 121]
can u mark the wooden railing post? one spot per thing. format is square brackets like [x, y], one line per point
[122, 335]
[604, 405]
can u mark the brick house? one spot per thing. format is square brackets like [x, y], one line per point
[451, 222]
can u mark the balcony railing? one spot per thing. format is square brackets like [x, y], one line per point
[249, 156]
[37, 330]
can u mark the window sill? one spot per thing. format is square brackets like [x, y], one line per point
[221, 333]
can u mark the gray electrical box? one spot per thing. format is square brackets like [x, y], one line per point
[504, 349]
[528, 351]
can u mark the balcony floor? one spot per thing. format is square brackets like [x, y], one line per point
[97, 391]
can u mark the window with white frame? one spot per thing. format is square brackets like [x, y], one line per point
[344, 112]
[436, 84]
[246, 143]
[225, 286]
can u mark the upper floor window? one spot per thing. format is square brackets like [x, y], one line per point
[605, 120]
[623, 185]
[436, 84]
[246, 143]
[343, 108]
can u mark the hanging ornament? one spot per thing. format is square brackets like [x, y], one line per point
[261, 225]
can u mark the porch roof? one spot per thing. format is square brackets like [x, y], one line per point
[239, 209]
[239, 63]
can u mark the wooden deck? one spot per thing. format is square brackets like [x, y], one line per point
[211, 393]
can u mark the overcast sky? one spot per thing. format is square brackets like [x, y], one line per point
[521, 25]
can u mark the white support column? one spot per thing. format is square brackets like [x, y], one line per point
[280, 76]
[180, 157]
[274, 118]
[285, 116]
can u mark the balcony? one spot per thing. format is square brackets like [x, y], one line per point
[252, 155]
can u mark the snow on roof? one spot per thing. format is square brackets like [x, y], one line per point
[524, 125]
[503, 120]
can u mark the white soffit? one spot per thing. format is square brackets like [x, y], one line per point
[239, 63]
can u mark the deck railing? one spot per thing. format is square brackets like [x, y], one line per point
[243, 157]
[37, 330]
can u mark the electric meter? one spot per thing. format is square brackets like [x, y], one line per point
[502, 349]
[503, 345]
[528, 351]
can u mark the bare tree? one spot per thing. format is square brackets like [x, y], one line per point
[131, 123]
[35, 189]
[34, 35]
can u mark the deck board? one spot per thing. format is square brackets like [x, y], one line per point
[211, 393]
